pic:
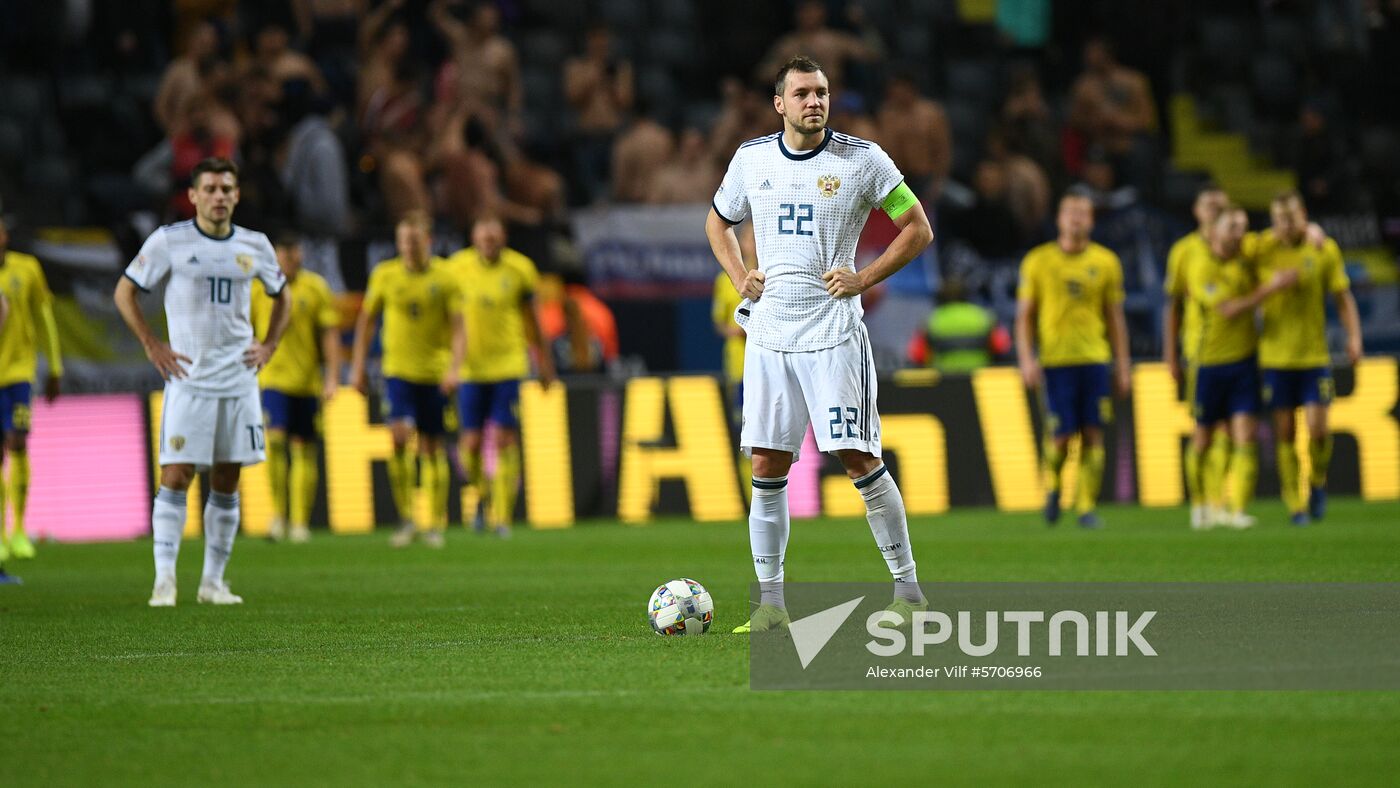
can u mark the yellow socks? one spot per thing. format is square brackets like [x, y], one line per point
[1054, 463]
[302, 490]
[401, 482]
[1090, 478]
[277, 471]
[1288, 471]
[1216, 462]
[1193, 475]
[17, 490]
[437, 481]
[1244, 469]
[1320, 452]
[471, 468]
[504, 484]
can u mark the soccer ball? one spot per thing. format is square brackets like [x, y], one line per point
[680, 607]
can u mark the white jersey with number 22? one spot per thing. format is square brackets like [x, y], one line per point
[808, 209]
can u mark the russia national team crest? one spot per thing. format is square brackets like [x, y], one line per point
[828, 184]
[245, 262]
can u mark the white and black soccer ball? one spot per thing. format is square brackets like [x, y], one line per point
[680, 607]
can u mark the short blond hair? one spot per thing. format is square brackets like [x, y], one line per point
[418, 219]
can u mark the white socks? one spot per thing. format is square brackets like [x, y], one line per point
[768, 536]
[167, 526]
[220, 526]
[884, 510]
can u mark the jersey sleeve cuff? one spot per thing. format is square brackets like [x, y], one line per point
[720, 214]
[277, 292]
[139, 286]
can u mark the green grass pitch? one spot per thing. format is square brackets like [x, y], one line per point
[529, 661]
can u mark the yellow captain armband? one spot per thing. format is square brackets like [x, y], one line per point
[899, 201]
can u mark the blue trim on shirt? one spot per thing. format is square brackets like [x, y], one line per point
[231, 229]
[803, 156]
[721, 215]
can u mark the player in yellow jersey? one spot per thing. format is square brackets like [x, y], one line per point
[1205, 487]
[726, 299]
[30, 316]
[1070, 303]
[1224, 288]
[422, 332]
[302, 373]
[1293, 349]
[498, 289]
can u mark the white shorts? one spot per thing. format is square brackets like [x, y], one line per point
[201, 431]
[834, 389]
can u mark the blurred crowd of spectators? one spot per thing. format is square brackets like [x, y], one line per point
[349, 113]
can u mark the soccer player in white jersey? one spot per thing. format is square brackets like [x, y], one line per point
[211, 417]
[809, 190]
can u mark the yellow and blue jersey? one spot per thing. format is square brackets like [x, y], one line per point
[1294, 334]
[1210, 282]
[494, 295]
[418, 307]
[726, 300]
[24, 286]
[1071, 293]
[295, 368]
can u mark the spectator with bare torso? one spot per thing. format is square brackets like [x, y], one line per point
[834, 49]
[691, 177]
[599, 89]
[634, 156]
[198, 70]
[1111, 108]
[914, 131]
[389, 109]
[483, 69]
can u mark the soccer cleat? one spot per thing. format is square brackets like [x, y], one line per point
[217, 594]
[1200, 520]
[1317, 502]
[764, 619]
[9, 580]
[502, 531]
[1299, 519]
[163, 594]
[20, 546]
[403, 535]
[479, 521]
[1090, 521]
[1237, 520]
[277, 529]
[1052, 507]
[1216, 515]
[299, 534]
[900, 614]
[434, 539]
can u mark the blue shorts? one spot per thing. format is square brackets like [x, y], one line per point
[1285, 389]
[1076, 397]
[1223, 390]
[14, 407]
[293, 415]
[498, 403]
[420, 403]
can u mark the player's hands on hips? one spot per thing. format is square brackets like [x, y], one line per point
[752, 286]
[52, 388]
[257, 355]
[843, 283]
[1030, 373]
[166, 360]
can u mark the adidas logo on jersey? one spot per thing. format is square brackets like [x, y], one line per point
[193, 260]
[766, 185]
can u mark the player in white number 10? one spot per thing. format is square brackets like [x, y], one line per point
[211, 416]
